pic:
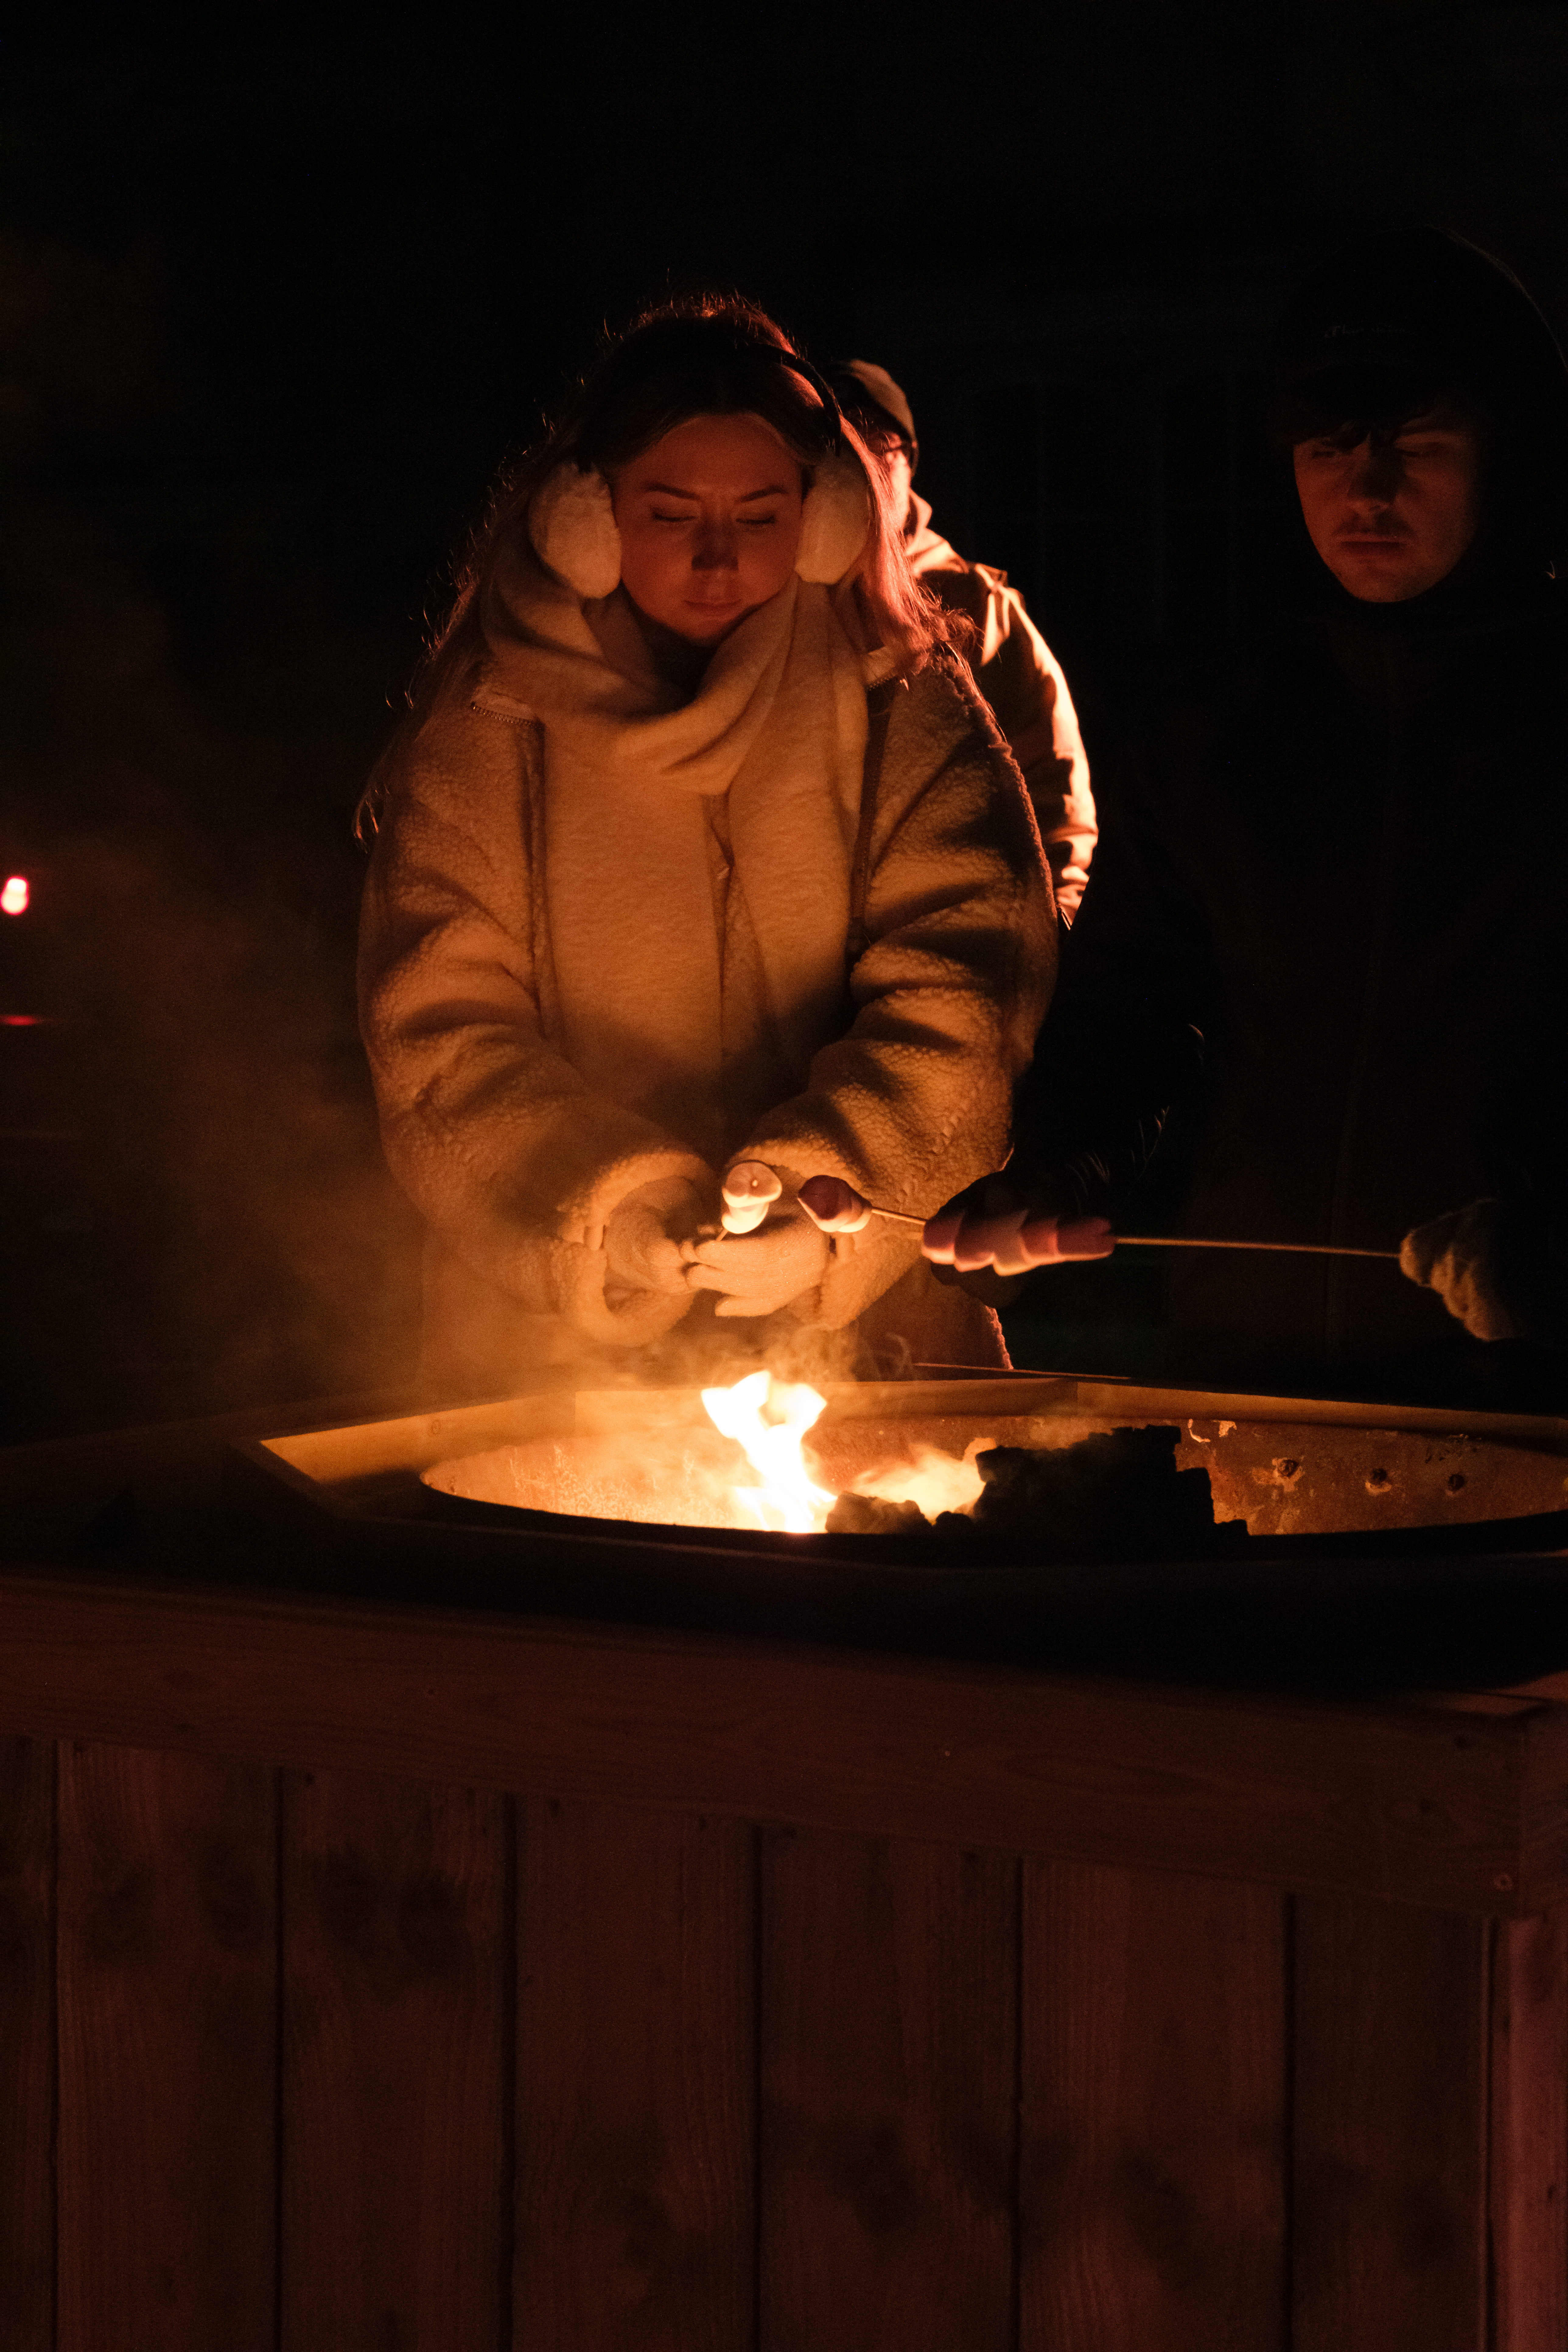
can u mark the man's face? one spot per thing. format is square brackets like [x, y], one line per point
[1392, 513]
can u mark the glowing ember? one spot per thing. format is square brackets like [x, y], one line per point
[769, 1418]
[15, 893]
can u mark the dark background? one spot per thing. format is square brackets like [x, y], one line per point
[277, 296]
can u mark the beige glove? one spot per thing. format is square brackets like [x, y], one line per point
[644, 1238]
[761, 1271]
[1455, 1255]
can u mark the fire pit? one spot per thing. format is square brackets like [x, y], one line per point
[630, 1461]
[1357, 1543]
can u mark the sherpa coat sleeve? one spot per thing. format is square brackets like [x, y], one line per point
[914, 1100]
[507, 1154]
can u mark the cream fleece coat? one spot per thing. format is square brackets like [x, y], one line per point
[606, 939]
[1022, 680]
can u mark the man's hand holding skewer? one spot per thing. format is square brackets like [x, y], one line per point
[991, 1225]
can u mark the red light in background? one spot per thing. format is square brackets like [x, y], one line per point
[14, 895]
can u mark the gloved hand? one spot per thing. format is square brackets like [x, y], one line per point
[761, 1271]
[643, 1239]
[992, 1224]
[1460, 1257]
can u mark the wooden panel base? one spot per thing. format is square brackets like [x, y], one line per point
[574, 2071]
[1431, 2131]
[396, 2030]
[1528, 2139]
[27, 2044]
[635, 2110]
[167, 2021]
[1153, 2207]
[889, 2093]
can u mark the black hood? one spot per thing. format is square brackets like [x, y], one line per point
[1391, 324]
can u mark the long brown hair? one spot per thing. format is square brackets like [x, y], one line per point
[710, 355]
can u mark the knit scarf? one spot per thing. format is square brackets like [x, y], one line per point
[661, 981]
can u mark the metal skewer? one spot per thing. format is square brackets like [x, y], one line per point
[1184, 1241]
[856, 1205]
[1302, 1249]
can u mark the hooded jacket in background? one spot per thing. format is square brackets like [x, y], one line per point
[1342, 856]
[1022, 681]
[1014, 667]
[610, 938]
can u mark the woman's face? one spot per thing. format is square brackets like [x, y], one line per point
[709, 524]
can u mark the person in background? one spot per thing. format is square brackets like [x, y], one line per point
[1329, 916]
[1015, 668]
[696, 848]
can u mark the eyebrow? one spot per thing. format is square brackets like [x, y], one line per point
[673, 490]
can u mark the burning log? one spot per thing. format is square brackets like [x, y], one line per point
[1117, 1491]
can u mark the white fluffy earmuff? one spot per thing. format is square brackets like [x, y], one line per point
[834, 520]
[572, 523]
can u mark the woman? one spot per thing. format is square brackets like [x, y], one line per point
[695, 849]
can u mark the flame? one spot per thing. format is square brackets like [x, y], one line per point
[769, 1418]
[15, 893]
[937, 1482]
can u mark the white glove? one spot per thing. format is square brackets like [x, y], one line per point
[644, 1238]
[761, 1271]
[1455, 1255]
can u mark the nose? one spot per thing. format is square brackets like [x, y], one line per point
[1375, 471]
[717, 547]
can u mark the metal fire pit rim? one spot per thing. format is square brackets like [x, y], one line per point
[1036, 1393]
[420, 1441]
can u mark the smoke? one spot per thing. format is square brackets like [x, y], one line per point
[196, 1211]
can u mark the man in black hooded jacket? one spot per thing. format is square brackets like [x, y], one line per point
[1329, 916]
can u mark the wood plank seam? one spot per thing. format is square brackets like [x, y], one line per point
[1527, 2135]
[758, 2086]
[1496, 2181]
[509, 2020]
[54, 1753]
[279, 2023]
[1021, 2005]
[1287, 2038]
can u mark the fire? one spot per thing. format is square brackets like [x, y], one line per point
[936, 1482]
[769, 1418]
[15, 893]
